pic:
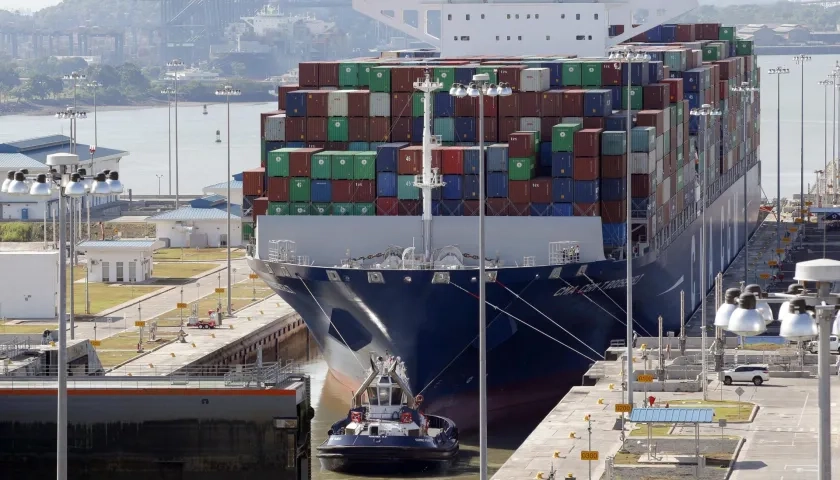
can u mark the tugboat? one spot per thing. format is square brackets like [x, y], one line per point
[385, 427]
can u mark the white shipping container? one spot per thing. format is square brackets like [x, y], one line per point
[275, 128]
[337, 103]
[665, 188]
[380, 104]
[680, 136]
[660, 170]
[535, 80]
[529, 124]
[328, 88]
[660, 145]
[667, 119]
[639, 163]
[571, 120]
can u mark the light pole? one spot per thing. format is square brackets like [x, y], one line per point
[69, 186]
[479, 88]
[800, 60]
[778, 72]
[94, 85]
[745, 92]
[176, 65]
[228, 91]
[159, 177]
[825, 83]
[835, 77]
[629, 56]
[704, 112]
[169, 92]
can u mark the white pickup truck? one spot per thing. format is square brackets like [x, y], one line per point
[814, 345]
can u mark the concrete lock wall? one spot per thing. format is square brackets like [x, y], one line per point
[30, 285]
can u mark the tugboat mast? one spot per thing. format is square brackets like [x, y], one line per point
[430, 178]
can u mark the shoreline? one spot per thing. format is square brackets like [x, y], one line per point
[48, 109]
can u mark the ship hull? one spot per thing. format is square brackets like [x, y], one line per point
[545, 326]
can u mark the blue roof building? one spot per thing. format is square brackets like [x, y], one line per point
[198, 227]
[39, 147]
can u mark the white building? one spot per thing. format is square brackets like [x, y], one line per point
[197, 227]
[30, 285]
[120, 261]
[221, 189]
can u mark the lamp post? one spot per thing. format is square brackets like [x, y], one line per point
[175, 65]
[825, 83]
[800, 60]
[835, 77]
[778, 72]
[169, 92]
[69, 186]
[480, 88]
[159, 177]
[704, 112]
[94, 85]
[228, 91]
[629, 56]
[745, 91]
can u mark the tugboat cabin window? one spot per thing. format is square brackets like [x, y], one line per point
[373, 398]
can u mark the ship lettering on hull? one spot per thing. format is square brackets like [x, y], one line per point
[597, 286]
[279, 287]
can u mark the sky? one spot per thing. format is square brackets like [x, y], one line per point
[27, 4]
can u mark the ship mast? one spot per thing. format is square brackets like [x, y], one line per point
[430, 178]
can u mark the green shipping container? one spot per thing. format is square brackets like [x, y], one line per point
[445, 127]
[278, 162]
[675, 60]
[743, 47]
[680, 113]
[406, 189]
[417, 105]
[364, 73]
[342, 165]
[348, 74]
[643, 139]
[572, 74]
[613, 143]
[490, 70]
[321, 209]
[726, 33]
[445, 75]
[562, 136]
[342, 209]
[672, 116]
[591, 74]
[380, 79]
[337, 130]
[299, 189]
[521, 168]
[299, 209]
[666, 142]
[278, 208]
[635, 98]
[321, 166]
[364, 165]
[247, 231]
[680, 179]
[364, 209]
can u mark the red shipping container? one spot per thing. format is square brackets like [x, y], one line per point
[300, 161]
[655, 96]
[316, 103]
[613, 166]
[509, 106]
[519, 191]
[357, 129]
[586, 168]
[594, 122]
[540, 190]
[316, 129]
[386, 206]
[452, 161]
[437, 157]
[400, 129]
[363, 191]
[675, 89]
[617, 29]
[403, 78]
[408, 208]
[685, 33]
[491, 131]
[521, 144]
[337, 146]
[253, 182]
[328, 74]
[651, 118]
[546, 124]
[497, 207]
[519, 210]
[281, 94]
[587, 209]
[510, 74]
[316, 145]
[587, 143]
[410, 160]
[673, 179]
[530, 104]
[491, 106]
[465, 106]
[401, 105]
[342, 191]
[471, 208]
[507, 127]
[379, 129]
[263, 116]
[358, 103]
[260, 207]
[308, 74]
[551, 103]
[609, 74]
[573, 103]
[278, 189]
[614, 211]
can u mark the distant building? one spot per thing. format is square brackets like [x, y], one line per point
[221, 189]
[191, 227]
[792, 33]
[761, 34]
[120, 261]
[30, 288]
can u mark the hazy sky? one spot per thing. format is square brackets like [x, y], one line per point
[29, 4]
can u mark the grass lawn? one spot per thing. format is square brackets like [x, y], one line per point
[659, 430]
[112, 358]
[105, 295]
[196, 254]
[727, 409]
[28, 328]
[180, 270]
[764, 346]
[241, 295]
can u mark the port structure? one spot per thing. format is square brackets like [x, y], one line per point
[73, 42]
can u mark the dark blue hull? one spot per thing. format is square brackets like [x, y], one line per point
[531, 360]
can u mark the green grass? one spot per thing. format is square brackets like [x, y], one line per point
[727, 409]
[26, 328]
[241, 296]
[196, 255]
[105, 295]
[659, 430]
[170, 269]
[112, 358]
[764, 346]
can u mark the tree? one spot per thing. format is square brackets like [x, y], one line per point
[239, 69]
[104, 74]
[132, 81]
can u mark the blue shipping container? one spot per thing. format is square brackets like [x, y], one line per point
[453, 188]
[562, 164]
[555, 73]
[436, 206]
[693, 80]
[540, 209]
[656, 71]
[654, 35]
[615, 94]
[638, 75]
[497, 185]
[296, 103]
[669, 33]
[693, 125]
[597, 103]
[562, 190]
[613, 189]
[638, 207]
[295, 144]
[444, 104]
[497, 158]
[417, 127]
[695, 99]
[617, 122]
[451, 208]
[465, 129]
[656, 56]
[471, 185]
[545, 155]
[386, 156]
[386, 184]
[320, 191]
[562, 210]
[586, 191]
[359, 147]
[615, 234]
[472, 162]
[463, 75]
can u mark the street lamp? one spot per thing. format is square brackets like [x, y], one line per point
[228, 91]
[169, 92]
[745, 91]
[479, 88]
[778, 72]
[800, 60]
[629, 56]
[834, 76]
[94, 85]
[176, 65]
[825, 83]
[704, 112]
[69, 185]
[159, 177]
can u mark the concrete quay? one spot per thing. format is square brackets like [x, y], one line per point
[780, 442]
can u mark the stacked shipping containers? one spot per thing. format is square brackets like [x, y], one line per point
[346, 141]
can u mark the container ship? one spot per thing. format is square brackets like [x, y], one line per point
[339, 217]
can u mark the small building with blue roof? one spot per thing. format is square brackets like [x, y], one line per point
[199, 227]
